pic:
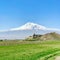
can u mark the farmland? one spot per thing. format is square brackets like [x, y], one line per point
[29, 50]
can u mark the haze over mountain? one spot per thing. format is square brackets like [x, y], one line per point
[26, 30]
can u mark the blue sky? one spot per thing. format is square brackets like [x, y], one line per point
[14, 13]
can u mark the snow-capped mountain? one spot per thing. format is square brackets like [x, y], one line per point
[33, 26]
[30, 26]
[26, 30]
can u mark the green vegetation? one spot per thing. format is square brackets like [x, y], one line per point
[29, 50]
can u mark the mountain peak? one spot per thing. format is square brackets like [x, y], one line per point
[30, 23]
[34, 26]
[30, 26]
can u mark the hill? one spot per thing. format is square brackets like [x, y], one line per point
[48, 36]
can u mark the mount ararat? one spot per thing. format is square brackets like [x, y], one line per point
[26, 30]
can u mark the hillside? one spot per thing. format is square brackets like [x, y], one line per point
[48, 36]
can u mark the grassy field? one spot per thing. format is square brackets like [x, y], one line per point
[29, 50]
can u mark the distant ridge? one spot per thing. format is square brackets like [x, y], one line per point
[48, 36]
[51, 36]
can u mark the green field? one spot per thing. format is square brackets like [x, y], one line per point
[29, 50]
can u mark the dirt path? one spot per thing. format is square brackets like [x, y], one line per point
[57, 58]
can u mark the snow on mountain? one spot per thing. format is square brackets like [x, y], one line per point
[30, 26]
[26, 30]
[34, 26]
